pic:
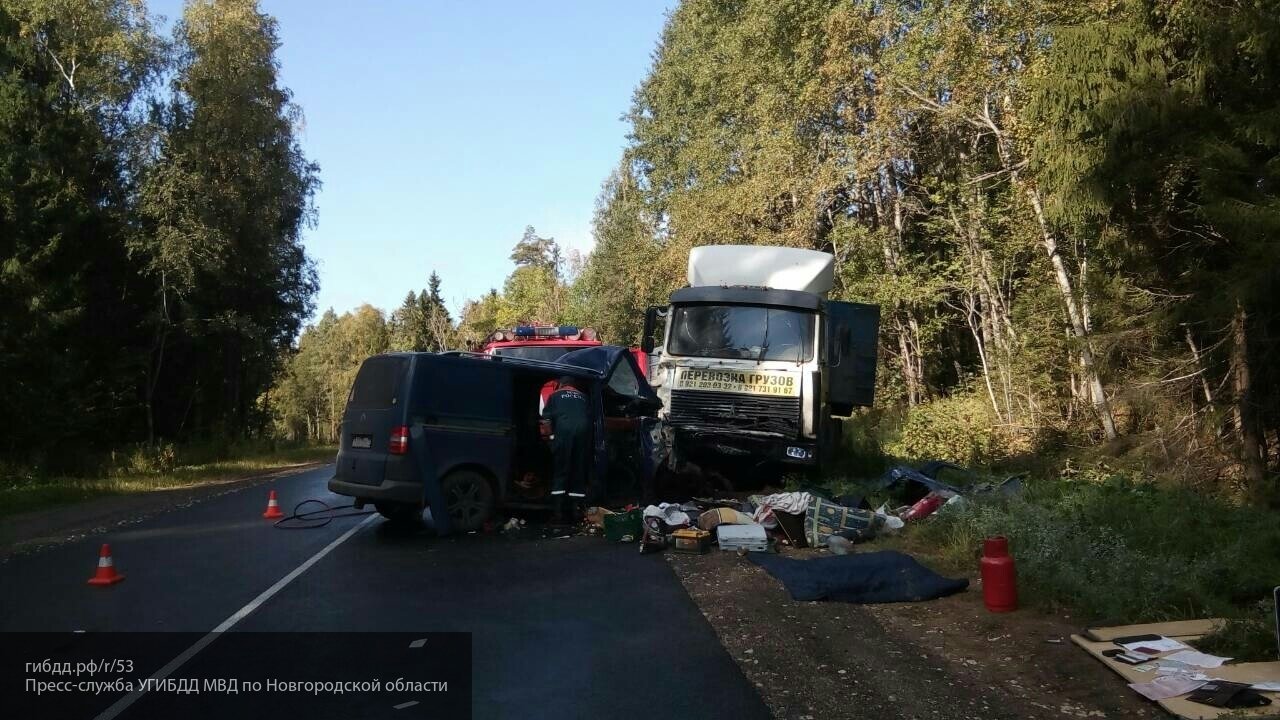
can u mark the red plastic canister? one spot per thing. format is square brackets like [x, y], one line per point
[999, 578]
[925, 507]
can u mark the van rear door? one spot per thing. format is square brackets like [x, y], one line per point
[373, 409]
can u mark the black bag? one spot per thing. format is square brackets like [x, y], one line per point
[1223, 694]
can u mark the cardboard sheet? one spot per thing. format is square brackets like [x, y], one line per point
[1179, 629]
[1243, 672]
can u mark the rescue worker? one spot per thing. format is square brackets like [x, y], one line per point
[569, 414]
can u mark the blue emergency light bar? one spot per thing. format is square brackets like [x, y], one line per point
[552, 331]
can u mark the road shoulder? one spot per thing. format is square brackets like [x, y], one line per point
[25, 532]
[943, 658]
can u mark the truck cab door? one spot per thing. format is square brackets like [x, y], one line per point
[853, 331]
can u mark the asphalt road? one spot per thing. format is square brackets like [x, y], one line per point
[558, 627]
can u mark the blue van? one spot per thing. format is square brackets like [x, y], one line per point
[460, 431]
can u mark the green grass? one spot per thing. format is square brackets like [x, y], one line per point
[147, 471]
[1113, 551]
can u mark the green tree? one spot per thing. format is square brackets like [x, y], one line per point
[225, 203]
[617, 283]
[310, 393]
[535, 292]
[422, 322]
[1166, 143]
[71, 76]
[536, 252]
[479, 320]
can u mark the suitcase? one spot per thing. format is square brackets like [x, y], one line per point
[742, 537]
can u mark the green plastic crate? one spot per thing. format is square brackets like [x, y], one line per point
[622, 527]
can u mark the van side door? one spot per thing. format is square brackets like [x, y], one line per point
[463, 406]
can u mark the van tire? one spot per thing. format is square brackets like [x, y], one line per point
[400, 513]
[469, 497]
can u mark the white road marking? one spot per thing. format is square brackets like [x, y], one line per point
[404, 705]
[418, 643]
[123, 703]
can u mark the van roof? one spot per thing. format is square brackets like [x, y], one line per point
[508, 360]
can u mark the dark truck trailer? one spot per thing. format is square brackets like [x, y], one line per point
[460, 430]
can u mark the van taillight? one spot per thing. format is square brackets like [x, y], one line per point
[399, 443]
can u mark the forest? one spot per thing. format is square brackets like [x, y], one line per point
[1066, 212]
[153, 196]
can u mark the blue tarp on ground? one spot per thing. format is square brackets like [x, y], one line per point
[875, 577]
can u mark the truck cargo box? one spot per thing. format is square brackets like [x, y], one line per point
[781, 268]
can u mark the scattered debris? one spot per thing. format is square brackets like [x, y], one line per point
[839, 545]
[927, 505]
[824, 518]
[691, 540]
[595, 516]
[670, 513]
[723, 516]
[622, 527]
[1186, 682]
[742, 537]
[796, 503]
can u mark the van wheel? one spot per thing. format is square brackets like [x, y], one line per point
[469, 498]
[400, 513]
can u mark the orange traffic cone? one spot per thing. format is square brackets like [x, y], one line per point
[106, 574]
[273, 507]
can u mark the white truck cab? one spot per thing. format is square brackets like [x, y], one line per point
[754, 360]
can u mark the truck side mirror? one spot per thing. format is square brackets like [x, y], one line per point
[651, 317]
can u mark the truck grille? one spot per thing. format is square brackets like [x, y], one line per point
[735, 411]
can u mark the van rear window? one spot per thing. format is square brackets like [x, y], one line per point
[377, 383]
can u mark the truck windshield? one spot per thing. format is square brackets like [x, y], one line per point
[742, 332]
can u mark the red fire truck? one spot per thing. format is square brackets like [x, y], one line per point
[546, 343]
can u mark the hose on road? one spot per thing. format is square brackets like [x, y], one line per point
[317, 518]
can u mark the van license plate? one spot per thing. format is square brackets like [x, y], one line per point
[362, 442]
[798, 453]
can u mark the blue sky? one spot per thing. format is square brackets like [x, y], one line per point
[443, 128]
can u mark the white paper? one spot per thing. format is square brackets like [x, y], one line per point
[1197, 658]
[1267, 686]
[1167, 667]
[1163, 688]
[1164, 644]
